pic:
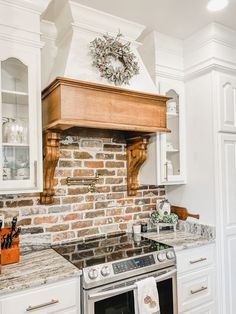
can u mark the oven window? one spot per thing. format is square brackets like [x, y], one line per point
[165, 291]
[120, 304]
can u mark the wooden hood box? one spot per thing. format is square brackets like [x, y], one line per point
[70, 103]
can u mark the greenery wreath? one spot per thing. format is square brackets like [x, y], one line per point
[114, 60]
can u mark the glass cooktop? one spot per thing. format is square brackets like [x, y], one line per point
[112, 247]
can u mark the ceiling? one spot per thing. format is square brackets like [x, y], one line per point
[178, 18]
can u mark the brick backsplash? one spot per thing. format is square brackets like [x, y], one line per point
[77, 213]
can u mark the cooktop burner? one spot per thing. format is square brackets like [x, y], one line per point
[112, 247]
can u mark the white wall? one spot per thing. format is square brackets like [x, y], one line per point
[198, 194]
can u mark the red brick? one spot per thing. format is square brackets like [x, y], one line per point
[21, 203]
[123, 218]
[112, 196]
[105, 172]
[71, 200]
[69, 163]
[103, 221]
[94, 214]
[83, 173]
[45, 220]
[76, 191]
[63, 173]
[82, 224]
[121, 157]
[72, 216]
[103, 189]
[114, 211]
[58, 237]
[104, 156]
[65, 154]
[82, 155]
[24, 222]
[113, 148]
[115, 164]
[84, 206]
[133, 210]
[87, 232]
[114, 180]
[57, 228]
[94, 164]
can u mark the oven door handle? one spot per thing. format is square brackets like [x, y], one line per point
[125, 289]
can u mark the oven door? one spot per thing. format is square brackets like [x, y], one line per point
[120, 297]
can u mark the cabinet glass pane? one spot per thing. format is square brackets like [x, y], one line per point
[15, 163]
[172, 139]
[15, 120]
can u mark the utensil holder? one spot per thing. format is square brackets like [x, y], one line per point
[10, 255]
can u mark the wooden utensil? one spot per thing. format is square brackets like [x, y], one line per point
[183, 213]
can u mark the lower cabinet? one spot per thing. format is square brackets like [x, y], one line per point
[196, 280]
[59, 298]
[205, 309]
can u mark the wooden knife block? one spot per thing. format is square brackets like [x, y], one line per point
[11, 255]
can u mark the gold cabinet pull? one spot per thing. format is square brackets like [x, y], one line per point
[36, 307]
[202, 259]
[198, 290]
[35, 173]
[166, 166]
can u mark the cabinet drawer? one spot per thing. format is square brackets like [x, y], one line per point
[196, 289]
[196, 258]
[205, 309]
[44, 300]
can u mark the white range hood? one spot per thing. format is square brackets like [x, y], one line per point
[67, 29]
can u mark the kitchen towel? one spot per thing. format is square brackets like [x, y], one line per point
[147, 296]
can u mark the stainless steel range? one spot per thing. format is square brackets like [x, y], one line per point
[113, 264]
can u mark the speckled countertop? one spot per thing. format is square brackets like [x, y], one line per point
[35, 269]
[180, 240]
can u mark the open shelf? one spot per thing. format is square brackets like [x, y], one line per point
[15, 144]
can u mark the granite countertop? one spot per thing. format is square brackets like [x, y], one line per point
[36, 269]
[180, 240]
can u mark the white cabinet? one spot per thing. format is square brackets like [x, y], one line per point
[227, 103]
[196, 279]
[62, 298]
[20, 107]
[166, 152]
[205, 309]
[228, 219]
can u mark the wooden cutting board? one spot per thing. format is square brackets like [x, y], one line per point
[183, 213]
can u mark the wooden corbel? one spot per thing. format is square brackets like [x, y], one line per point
[136, 155]
[51, 154]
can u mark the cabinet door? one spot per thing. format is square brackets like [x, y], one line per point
[205, 309]
[227, 103]
[228, 220]
[172, 156]
[20, 114]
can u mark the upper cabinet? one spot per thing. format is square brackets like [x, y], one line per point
[20, 99]
[227, 103]
[165, 164]
[20, 139]
[172, 161]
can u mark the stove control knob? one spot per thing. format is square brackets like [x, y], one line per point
[161, 257]
[93, 274]
[170, 255]
[105, 271]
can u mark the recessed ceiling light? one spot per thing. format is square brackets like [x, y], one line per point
[217, 5]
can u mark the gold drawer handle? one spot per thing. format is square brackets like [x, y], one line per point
[198, 260]
[36, 307]
[198, 290]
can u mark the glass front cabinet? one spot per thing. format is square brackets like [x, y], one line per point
[20, 113]
[165, 164]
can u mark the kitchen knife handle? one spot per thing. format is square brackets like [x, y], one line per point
[36, 307]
